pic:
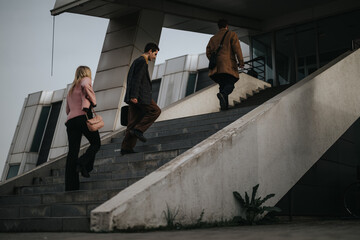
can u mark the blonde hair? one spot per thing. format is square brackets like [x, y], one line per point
[80, 73]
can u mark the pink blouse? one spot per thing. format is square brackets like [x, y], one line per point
[82, 96]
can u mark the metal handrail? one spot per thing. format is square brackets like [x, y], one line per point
[355, 44]
[255, 70]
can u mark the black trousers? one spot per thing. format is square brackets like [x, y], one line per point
[226, 83]
[75, 128]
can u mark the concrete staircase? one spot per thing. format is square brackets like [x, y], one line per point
[44, 206]
[273, 146]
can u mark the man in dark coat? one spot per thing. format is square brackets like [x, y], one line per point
[143, 111]
[226, 71]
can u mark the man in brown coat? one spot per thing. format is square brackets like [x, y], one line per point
[229, 58]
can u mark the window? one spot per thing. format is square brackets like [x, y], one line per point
[155, 88]
[39, 132]
[13, 171]
[191, 83]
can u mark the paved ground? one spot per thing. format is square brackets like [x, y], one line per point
[337, 229]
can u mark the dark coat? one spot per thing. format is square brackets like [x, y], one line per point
[139, 82]
[226, 61]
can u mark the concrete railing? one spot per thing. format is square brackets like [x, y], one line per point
[205, 100]
[273, 145]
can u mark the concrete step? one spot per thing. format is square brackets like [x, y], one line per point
[60, 197]
[193, 121]
[45, 206]
[48, 224]
[114, 151]
[48, 210]
[172, 135]
[104, 165]
[115, 170]
[118, 176]
[51, 211]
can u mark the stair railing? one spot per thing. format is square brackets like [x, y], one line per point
[255, 68]
[355, 44]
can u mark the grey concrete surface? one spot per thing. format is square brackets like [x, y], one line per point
[305, 230]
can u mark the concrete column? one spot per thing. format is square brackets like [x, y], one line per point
[125, 40]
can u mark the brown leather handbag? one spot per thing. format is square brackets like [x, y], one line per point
[94, 123]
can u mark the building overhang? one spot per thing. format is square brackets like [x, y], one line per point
[246, 17]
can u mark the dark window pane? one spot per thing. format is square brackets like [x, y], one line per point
[49, 133]
[190, 87]
[155, 89]
[203, 80]
[13, 171]
[39, 132]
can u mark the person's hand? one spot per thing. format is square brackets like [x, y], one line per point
[241, 64]
[134, 100]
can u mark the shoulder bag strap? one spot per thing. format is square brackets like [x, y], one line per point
[221, 43]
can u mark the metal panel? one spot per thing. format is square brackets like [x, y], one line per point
[191, 63]
[161, 70]
[16, 158]
[46, 97]
[25, 128]
[115, 58]
[119, 39]
[203, 61]
[175, 65]
[58, 95]
[112, 78]
[33, 99]
[109, 99]
[172, 89]
[155, 70]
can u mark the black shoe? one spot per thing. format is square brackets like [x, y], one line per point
[124, 151]
[223, 103]
[83, 171]
[138, 134]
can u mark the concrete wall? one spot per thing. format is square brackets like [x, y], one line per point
[274, 145]
[320, 192]
[205, 100]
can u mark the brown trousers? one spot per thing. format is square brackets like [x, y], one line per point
[140, 117]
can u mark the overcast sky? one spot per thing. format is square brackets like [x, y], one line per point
[26, 29]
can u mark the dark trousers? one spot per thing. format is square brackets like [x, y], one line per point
[75, 128]
[140, 117]
[226, 83]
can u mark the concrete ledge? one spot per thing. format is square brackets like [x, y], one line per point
[205, 100]
[274, 145]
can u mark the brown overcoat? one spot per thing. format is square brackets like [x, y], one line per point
[226, 61]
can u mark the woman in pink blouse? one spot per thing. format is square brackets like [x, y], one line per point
[79, 101]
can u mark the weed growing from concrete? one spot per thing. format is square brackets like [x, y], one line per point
[253, 207]
[170, 215]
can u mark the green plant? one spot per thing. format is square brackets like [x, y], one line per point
[199, 220]
[170, 215]
[253, 207]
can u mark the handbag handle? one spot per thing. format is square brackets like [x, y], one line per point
[92, 109]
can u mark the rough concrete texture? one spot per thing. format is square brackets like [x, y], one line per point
[274, 145]
[318, 230]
